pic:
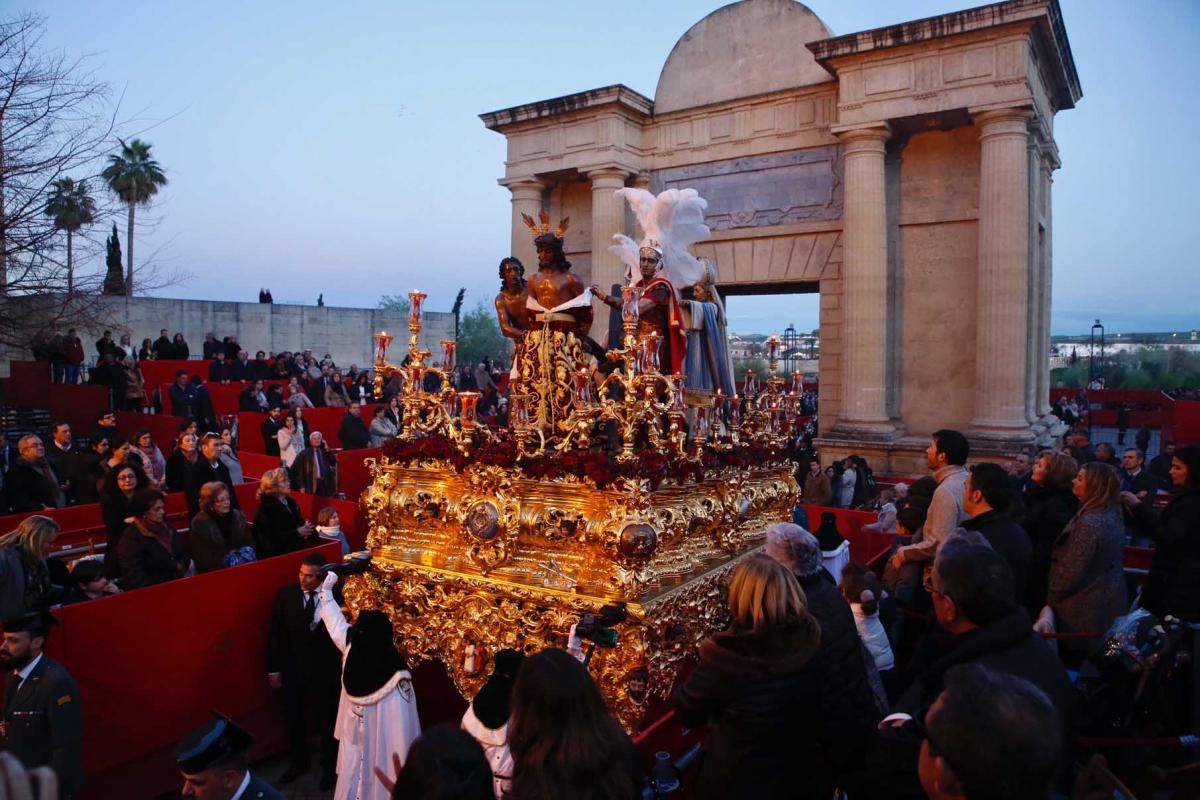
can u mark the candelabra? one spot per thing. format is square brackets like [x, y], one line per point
[445, 410]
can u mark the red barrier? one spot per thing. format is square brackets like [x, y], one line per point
[78, 405]
[168, 656]
[157, 373]
[254, 465]
[163, 428]
[865, 546]
[1187, 422]
[353, 475]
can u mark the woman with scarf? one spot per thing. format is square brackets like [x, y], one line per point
[181, 461]
[377, 714]
[150, 551]
[218, 534]
[151, 458]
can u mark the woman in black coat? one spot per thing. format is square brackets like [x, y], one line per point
[756, 690]
[1173, 585]
[181, 460]
[150, 551]
[121, 484]
[1050, 504]
[179, 348]
[279, 525]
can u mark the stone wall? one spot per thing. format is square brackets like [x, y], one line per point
[344, 333]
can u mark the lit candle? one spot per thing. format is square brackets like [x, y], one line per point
[629, 304]
[416, 298]
[773, 346]
[469, 401]
[448, 346]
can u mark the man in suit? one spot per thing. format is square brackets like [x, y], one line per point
[42, 721]
[314, 470]
[208, 468]
[212, 760]
[303, 663]
[60, 455]
[271, 426]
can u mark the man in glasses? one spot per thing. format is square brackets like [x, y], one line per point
[1013, 717]
[979, 622]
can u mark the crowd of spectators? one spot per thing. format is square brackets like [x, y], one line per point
[829, 678]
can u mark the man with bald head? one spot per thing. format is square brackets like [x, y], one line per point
[30, 484]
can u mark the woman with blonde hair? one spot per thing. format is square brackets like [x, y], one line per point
[24, 576]
[218, 534]
[1087, 570]
[1050, 504]
[279, 525]
[757, 687]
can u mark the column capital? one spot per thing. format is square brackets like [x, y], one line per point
[608, 177]
[524, 185]
[863, 138]
[1004, 121]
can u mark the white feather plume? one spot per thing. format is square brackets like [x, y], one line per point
[674, 219]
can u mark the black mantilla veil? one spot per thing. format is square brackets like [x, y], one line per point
[372, 659]
[492, 702]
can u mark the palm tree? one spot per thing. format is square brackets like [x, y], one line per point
[71, 207]
[134, 177]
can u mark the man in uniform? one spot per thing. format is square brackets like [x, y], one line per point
[42, 720]
[212, 760]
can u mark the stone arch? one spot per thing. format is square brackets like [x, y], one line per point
[742, 50]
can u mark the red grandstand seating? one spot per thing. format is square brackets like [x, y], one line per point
[326, 420]
[163, 428]
[170, 655]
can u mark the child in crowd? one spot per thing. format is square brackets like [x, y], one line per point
[864, 592]
[329, 524]
[87, 575]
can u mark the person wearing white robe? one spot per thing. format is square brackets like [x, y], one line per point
[370, 727]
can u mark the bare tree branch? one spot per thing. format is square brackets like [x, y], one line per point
[56, 121]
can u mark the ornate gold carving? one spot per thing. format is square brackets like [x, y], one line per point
[471, 558]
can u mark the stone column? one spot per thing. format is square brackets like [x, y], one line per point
[1049, 163]
[1001, 363]
[608, 218]
[864, 407]
[527, 197]
[1034, 290]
